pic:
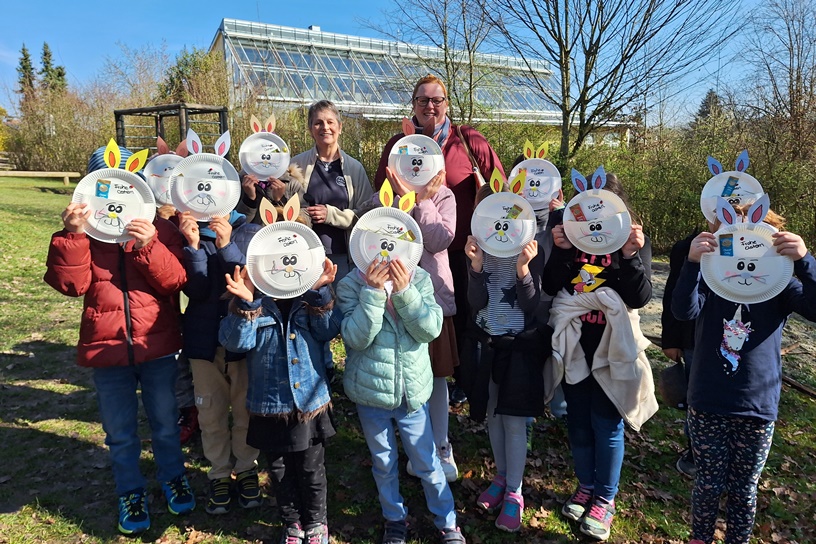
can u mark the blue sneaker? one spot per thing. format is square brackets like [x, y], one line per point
[179, 495]
[133, 517]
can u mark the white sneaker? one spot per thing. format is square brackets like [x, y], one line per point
[448, 464]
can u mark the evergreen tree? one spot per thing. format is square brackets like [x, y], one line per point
[52, 77]
[27, 79]
[710, 106]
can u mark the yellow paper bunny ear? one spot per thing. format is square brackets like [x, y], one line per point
[517, 183]
[136, 161]
[268, 212]
[386, 194]
[541, 152]
[528, 149]
[496, 181]
[112, 154]
[407, 202]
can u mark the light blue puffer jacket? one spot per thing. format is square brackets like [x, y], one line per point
[387, 357]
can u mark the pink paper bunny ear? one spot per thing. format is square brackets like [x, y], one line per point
[758, 211]
[725, 212]
[161, 146]
[714, 165]
[193, 142]
[222, 145]
[182, 150]
[599, 178]
[408, 127]
[742, 161]
[579, 181]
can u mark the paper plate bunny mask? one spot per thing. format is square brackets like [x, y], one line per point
[737, 187]
[285, 258]
[159, 169]
[745, 267]
[596, 221]
[115, 196]
[387, 233]
[415, 158]
[540, 178]
[503, 223]
[264, 153]
[205, 184]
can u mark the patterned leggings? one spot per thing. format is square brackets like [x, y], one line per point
[730, 453]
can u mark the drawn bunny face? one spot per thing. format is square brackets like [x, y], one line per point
[160, 167]
[503, 221]
[541, 179]
[264, 154]
[736, 186]
[113, 216]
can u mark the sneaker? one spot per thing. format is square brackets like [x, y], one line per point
[133, 516]
[396, 532]
[449, 467]
[453, 536]
[456, 396]
[576, 506]
[685, 464]
[319, 534]
[219, 497]
[598, 521]
[249, 489]
[292, 534]
[179, 495]
[188, 424]
[492, 497]
[510, 517]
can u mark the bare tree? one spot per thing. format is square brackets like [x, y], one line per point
[609, 55]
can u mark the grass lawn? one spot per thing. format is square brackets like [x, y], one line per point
[56, 486]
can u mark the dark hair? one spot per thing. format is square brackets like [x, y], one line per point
[485, 191]
[323, 105]
[518, 160]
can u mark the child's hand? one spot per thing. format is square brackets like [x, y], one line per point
[142, 230]
[557, 203]
[75, 217]
[634, 243]
[432, 187]
[399, 275]
[377, 274]
[240, 285]
[528, 252]
[474, 253]
[703, 243]
[189, 228]
[222, 229]
[560, 238]
[790, 244]
[400, 187]
[328, 275]
[673, 353]
[278, 188]
[248, 183]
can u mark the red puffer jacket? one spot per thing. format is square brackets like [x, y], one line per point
[130, 312]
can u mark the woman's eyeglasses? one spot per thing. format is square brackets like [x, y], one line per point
[422, 101]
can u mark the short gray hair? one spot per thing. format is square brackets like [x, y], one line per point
[323, 105]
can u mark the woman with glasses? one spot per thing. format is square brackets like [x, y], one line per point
[443, 211]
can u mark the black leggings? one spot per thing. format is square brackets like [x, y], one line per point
[300, 485]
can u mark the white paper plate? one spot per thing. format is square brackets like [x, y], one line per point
[376, 236]
[416, 159]
[606, 223]
[542, 183]
[495, 233]
[746, 191]
[264, 154]
[754, 273]
[115, 197]
[285, 259]
[205, 185]
[157, 172]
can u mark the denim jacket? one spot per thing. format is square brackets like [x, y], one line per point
[287, 372]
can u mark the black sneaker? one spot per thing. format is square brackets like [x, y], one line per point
[249, 489]
[685, 464]
[457, 396]
[219, 498]
[396, 532]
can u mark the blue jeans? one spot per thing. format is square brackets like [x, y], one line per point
[418, 442]
[118, 407]
[595, 430]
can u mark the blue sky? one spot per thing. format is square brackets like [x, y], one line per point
[83, 33]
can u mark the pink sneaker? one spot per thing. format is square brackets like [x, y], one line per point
[510, 517]
[492, 497]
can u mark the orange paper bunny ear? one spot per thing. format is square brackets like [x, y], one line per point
[386, 194]
[517, 183]
[268, 212]
[292, 208]
[496, 181]
[136, 161]
[528, 149]
[407, 202]
[112, 154]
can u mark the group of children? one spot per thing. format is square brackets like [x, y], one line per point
[266, 360]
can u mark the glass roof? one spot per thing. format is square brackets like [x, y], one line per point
[364, 76]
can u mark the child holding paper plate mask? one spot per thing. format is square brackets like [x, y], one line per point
[606, 376]
[735, 380]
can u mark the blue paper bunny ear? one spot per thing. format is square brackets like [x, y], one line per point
[579, 181]
[742, 161]
[714, 166]
[758, 211]
[725, 212]
[599, 178]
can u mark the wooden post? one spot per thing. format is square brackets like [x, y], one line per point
[66, 181]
